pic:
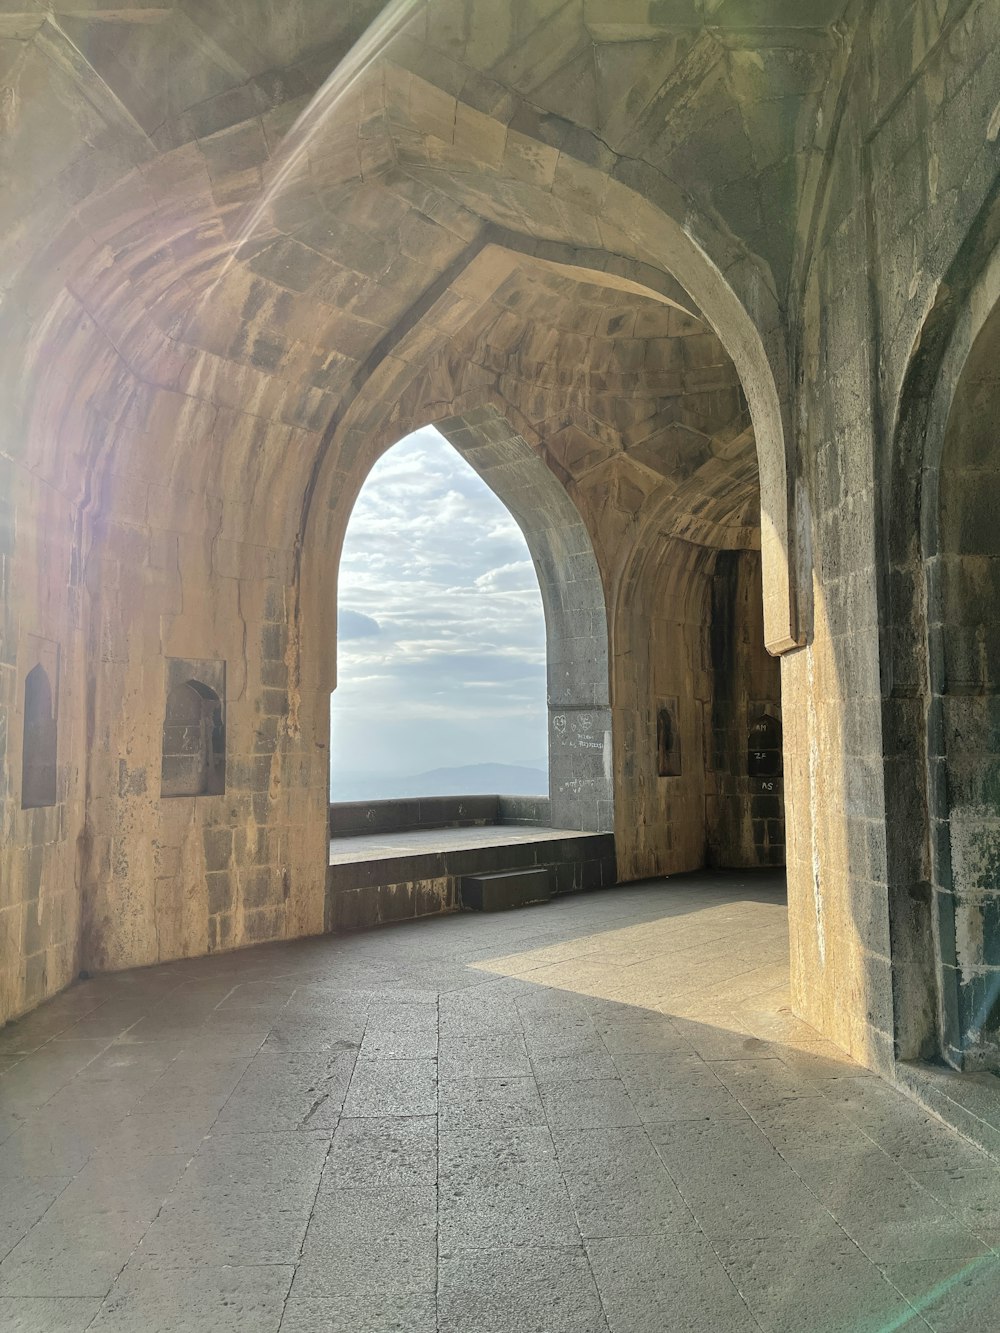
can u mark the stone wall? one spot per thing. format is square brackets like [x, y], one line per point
[42, 616]
[910, 163]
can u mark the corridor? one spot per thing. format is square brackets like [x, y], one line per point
[597, 1116]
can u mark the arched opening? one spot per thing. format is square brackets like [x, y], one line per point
[929, 479]
[440, 638]
[194, 742]
[38, 756]
[577, 722]
[698, 701]
[964, 643]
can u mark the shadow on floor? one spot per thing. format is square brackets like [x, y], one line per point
[596, 1115]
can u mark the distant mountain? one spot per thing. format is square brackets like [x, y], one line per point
[466, 780]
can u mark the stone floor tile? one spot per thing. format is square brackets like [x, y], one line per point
[735, 1183]
[951, 1295]
[831, 1279]
[469, 1157]
[594, 1062]
[392, 1087]
[304, 1033]
[288, 1090]
[190, 1078]
[821, 1062]
[761, 1084]
[656, 1283]
[357, 1266]
[369, 1241]
[532, 1209]
[211, 1299]
[31, 1083]
[128, 1183]
[588, 1104]
[880, 1207]
[198, 1044]
[572, 1037]
[395, 1312]
[395, 1041]
[619, 1186]
[243, 1199]
[973, 1195]
[23, 1200]
[471, 1102]
[529, 1289]
[80, 1257]
[52, 1314]
[923, 1239]
[654, 1034]
[47, 1145]
[179, 1130]
[664, 1088]
[379, 1152]
[494, 1055]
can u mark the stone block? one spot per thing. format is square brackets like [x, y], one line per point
[506, 889]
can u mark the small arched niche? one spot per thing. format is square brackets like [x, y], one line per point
[194, 738]
[38, 755]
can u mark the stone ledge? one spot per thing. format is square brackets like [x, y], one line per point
[355, 818]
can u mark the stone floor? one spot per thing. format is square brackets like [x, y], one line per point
[383, 846]
[594, 1115]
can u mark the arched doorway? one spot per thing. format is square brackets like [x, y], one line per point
[572, 594]
[963, 610]
[440, 638]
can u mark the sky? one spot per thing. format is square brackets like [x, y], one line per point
[441, 635]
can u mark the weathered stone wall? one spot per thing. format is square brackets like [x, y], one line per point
[909, 164]
[185, 875]
[42, 609]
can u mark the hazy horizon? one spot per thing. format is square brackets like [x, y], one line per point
[441, 633]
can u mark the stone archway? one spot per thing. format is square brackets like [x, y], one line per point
[603, 445]
[963, 571]
[581, 793]
[925, 690]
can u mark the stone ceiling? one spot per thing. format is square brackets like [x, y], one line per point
[180, 332]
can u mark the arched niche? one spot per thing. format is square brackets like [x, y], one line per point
[38, 754]
[194, 736]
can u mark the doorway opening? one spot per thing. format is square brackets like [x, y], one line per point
[441, 638]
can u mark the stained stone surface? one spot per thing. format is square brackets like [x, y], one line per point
[597, 1116]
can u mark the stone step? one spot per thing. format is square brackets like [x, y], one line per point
[509, 888]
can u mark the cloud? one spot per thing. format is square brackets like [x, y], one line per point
[518, 576]
[443, 659]
[354, 625]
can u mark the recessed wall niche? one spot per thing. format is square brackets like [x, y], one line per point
[38, 750]
[668, 739]
[194, 729]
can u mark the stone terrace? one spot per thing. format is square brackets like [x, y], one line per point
[595, 1116]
